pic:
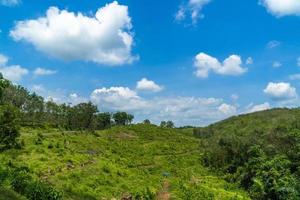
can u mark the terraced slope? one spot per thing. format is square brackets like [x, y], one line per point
[139, 161]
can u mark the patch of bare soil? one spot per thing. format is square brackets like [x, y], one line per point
[164, 193]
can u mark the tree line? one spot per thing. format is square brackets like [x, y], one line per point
[34, 111]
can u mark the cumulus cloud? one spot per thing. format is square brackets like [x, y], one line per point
[249, 61]
[295, 77]
[259, 107]
[280, 91]
[298, 62]
[43, 72]
[9, 2]
[38, 89]
[3, 60]
[75, 99]
[148, 85]
[58, 95]
[227, 109]
[273, 44]
[205, 64]
[282, 8]
[182, 110]
[192, 9]
[105, 38]
[234, 97]
[276, 64]
[13, 73]
[117, 98]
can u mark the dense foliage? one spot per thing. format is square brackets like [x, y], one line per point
[36, 112]
[261, 151]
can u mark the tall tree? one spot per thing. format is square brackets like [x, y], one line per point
[103, 121]
[82, 116]
[122, 118]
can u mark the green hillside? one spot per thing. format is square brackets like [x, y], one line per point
[52, 151]
[6, 194]
[142, 161]
[260, 151]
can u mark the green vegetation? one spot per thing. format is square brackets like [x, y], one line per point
[52, 152]
[260, 151]
[136, 160]
[6, 194]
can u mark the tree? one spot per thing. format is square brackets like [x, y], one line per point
[15, 95]
[163, 124]
[82, 116]
[170, 124]
[129, 119]
[122, 118]
[146, 121]
[33, 110]
[9, 127]
[3, 84]
[103, 121]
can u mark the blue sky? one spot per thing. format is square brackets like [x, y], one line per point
[191, 61]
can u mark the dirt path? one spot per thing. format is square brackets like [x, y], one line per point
[164, 193]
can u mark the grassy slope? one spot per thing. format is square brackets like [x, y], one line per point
[6, 194]
[121, 161]
[263, 121]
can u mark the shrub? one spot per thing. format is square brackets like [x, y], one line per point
[25, 185]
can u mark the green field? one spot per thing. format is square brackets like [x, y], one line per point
[139, 161]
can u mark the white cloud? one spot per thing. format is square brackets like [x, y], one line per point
[148, 85]
[260, 107]
[181, 110]
[295, 77]
[105, 38]
[74, 95]
[282, 8]
[191, 9]
[43, 72]
[230, 66]
[116, 98]
[276, 64]
[249, 61]
[75, 99]
[9, 2]
[298, 62]
[227, 109]
[280, 91]
[234, 97]
[58, 95]
[3, 60]
[13, 73]
[273, 44]
[39, 89]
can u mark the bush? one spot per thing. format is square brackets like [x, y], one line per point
[25, 185]
[42, 191]
[3, 175]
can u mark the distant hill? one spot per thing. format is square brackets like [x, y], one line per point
[258, 150]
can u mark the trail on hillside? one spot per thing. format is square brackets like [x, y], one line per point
[164, 193]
